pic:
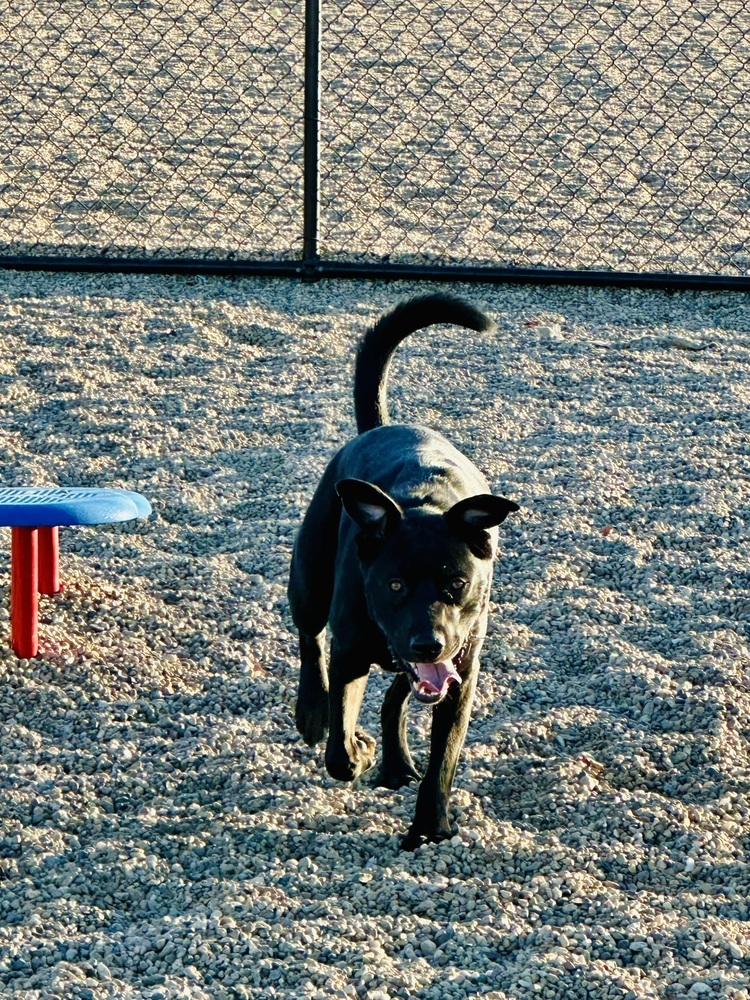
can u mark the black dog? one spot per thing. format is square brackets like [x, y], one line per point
[402, 577]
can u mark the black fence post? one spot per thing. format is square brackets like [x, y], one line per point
[311, 181]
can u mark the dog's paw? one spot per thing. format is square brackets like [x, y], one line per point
[348, 761]
[364, 752]
[311, 718]
[419, 835]
[396, 775]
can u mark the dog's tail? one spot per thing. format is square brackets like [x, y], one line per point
[379, 343]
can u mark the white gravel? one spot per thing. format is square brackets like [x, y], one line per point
[163, 830]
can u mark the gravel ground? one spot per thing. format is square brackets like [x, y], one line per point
[163, 830]
[568, 133]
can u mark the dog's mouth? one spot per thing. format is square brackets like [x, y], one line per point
[430, 682]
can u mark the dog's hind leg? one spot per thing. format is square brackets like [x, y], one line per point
[350, 751]
[310, 591]
[311, 712]
[398, 767]
[450, 720]
[309, 614]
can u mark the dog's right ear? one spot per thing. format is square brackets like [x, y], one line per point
[369, 507]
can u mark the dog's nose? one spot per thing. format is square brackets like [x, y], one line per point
[426, 649]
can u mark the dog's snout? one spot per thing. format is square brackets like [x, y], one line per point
[426, 649]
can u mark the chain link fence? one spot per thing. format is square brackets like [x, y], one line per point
[528, 134]
[151, 127]
[539, 133]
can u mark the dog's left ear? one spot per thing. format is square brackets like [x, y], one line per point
[480, 512]
[368, 506]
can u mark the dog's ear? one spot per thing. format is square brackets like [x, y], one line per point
[470, 518]
[480, 512]
[369, 507]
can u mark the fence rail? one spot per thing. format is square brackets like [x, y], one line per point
[563, 140]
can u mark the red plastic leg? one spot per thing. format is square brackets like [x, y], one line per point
[49, 561]
[24, 600]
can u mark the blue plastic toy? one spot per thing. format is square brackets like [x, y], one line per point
[34, 514]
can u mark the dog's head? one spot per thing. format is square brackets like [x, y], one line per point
[427, 578]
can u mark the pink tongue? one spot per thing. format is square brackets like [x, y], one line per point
[434, 678]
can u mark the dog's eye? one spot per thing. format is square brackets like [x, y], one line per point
[458, 585]
[396, 584]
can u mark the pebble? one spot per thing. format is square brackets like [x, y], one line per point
[551, 332]
[685, 343]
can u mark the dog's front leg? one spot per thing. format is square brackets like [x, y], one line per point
[350, 751]
[398, 766]
[450, 720]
